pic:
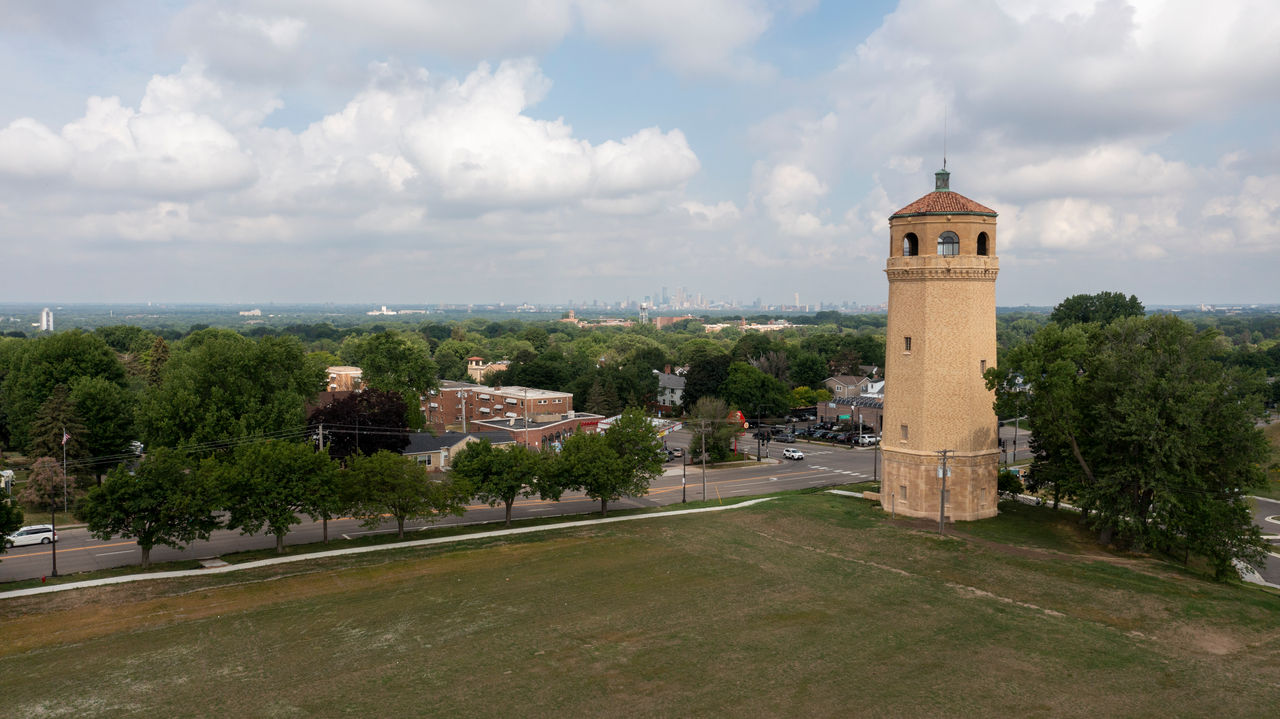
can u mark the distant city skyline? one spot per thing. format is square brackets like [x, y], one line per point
[476, 152]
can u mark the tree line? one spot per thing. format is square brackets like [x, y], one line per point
[1146, 425]
[173, 497]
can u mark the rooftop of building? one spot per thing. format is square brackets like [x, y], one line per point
[506, 391]
[943, 201]
[863, 401]
[421, 442]
[509, 424]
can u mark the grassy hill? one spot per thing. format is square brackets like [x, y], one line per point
[808, 605]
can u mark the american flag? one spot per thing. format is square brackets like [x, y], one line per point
[66, 437]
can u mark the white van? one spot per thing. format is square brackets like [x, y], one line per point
[34, 534]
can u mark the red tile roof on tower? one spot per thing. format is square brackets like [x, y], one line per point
[944, 202]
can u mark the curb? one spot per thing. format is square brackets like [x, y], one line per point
[32, 591]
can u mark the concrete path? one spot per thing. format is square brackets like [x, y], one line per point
[361, 550]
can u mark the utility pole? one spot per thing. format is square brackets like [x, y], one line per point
[943, 472]
[684, 472]
[704, 459]
[53, 507]
[1015, 439]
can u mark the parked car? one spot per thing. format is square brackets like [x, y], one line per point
[34, 534]
[785, 438]
[866, 440]
[676, 451]
[792, 453]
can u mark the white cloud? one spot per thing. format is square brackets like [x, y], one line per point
[790, 195]
[29, 149]
[1104, 171]
[709, 37]
[192, 90]
[285, 39]
[168, 153]
[1251, 217]
[717, 215]
[475, 145]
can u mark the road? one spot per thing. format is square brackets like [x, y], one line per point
[1266, 514]
[822, 466]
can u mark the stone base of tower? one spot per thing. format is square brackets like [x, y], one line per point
[911, 486]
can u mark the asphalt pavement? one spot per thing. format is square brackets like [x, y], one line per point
[1266, 514]
[822, 466]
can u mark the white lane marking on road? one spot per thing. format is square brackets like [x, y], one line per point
[346, 536]
[108, 554]
[541, 509]
[1274, 519]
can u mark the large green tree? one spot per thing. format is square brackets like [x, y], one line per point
[219, 386]
[755, 393]
[707, 373]
[808, 370]
[268, 484]
[501, 474]
[107, 411]
[709, 426]
[397, 362]
[57, 427]
[1103, 308]
[621, 462]
[587, 463]
[165, 500]
[44, 363]
[1149, 434]
[390, 484]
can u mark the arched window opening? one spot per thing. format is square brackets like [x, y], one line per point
[948, 244]
[910, 245]
[983, 246]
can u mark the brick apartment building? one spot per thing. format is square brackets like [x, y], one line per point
[445, 407]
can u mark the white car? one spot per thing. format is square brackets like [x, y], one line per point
[792, 453]
[34, 534]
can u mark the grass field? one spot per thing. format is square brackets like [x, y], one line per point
[807, 605]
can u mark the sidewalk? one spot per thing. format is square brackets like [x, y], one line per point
[361, 550]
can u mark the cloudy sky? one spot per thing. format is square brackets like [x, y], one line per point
[421, 151]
